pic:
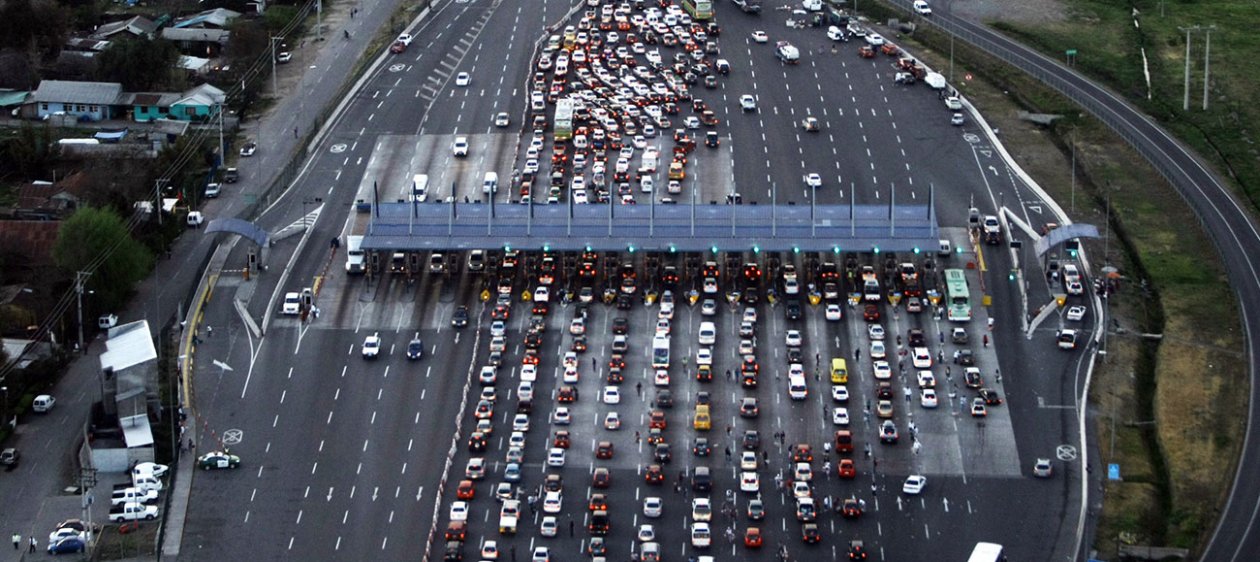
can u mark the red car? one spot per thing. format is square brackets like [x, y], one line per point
[654, 475]
[465, 491]
[847, 469]
[604, 450]
[752, 537]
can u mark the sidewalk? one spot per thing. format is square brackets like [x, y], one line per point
[33, 495]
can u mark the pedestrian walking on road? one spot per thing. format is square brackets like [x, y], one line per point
[636, 438]
[34, 543]
[192, 446]
[986, 340]
[941, 337]
[571, 525]
[638, 387]
[17, 541]
[857, 355]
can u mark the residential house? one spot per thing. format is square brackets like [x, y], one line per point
[87, 101]
[44, 200]
[129, 372]
[218, 18]
[137, 26]
[202, 43]
[197, 104]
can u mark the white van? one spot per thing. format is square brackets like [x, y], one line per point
[146, 482]
[491, 183]
[419, 188]
[796, 387]
[43, 403]
[708, 333]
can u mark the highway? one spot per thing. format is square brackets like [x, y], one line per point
[346, 454]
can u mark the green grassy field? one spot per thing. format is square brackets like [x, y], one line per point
[1110, 48]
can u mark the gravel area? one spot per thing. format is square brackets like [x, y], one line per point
[1021, 11]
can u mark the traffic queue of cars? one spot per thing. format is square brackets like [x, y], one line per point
[607, 88]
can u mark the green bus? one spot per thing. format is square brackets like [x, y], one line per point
[699, 9]
[957, 296]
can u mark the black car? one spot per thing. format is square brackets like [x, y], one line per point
[460, 318]
[793, 310]
[662, 453]
[711, 139]
[624, 302]
[756, 510]
[702, 397]
[701, 448]
[620, 325]
[750, 296]
[454, 551]
[794, 355]
[752, 440]
[664, 399]
[966, 358]
[415, 349]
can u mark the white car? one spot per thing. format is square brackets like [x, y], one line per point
[747, 102]
[793, 287]
[700, 535]
[710, 285]
[749, 482]
[927, 398]
[612, 421]
[292, 303]
[612, 395]
[520, 422]
[555, 457]
[652, 507]
[541, 554]
[878, 350]
[542, 294]
[525, 391]
[549, 526]
[922, 358]
[570, 374]
[490, 550]
[502, 119]
[462, 79]
[704, 356]
[748, 460]
[459, 511]
[803, 472]
[475, 469]
[953, 103]
[840, 393]
[1076, 313]
[662, 327]
[498, 328]
[661, 378]
[882, 370]
[747, 347]
[926, 379]
[701, 509]
[813, 181]
[840, 416]
[957, 120]
[833, 312]
[516, 439]
[371, 346]
[793, 338]
[646, 533]
[405, 39]
[801, 490]
[875, 332]
[460, 147]
[874, 39]
[922, 7]
[914, 484]
[562, 416]
[760, 37]
[529, 373]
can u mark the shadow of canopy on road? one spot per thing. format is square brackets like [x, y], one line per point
[663, 228]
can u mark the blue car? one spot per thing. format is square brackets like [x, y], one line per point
[67, 545]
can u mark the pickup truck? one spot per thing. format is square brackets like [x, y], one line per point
[132, 511]
[132, 495]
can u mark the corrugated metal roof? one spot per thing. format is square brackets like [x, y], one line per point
[13, 98]
[219, 36]
[64, 91]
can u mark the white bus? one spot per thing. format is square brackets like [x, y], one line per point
[987, 552]
[660, 352]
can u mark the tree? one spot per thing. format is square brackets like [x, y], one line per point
[140, 65]
[92, 233]
[35, 27]
[30, 153]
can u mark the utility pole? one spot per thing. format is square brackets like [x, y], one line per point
[1185, 102]
[275, 89]
[87, 481]
[79, 278]
[1073, 170]
[157, 190]
[1207, 62]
